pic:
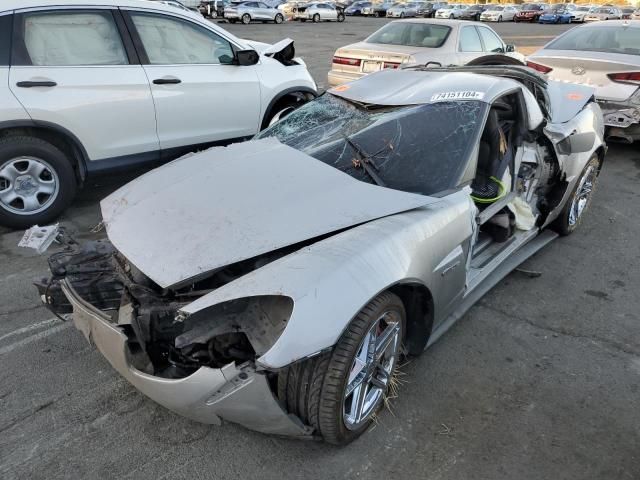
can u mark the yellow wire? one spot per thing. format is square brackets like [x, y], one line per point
[502, 191]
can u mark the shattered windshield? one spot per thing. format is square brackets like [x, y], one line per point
[417, 148]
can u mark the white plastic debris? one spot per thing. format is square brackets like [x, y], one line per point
[525, 218]
[39, 238]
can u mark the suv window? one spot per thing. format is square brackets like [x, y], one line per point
[65, 38]
[491, 41]
[5, 39]
[469, 40]
[172, 41]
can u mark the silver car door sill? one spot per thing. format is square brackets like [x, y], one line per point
[505, 262]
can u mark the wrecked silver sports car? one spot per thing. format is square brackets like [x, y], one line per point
[276, 283]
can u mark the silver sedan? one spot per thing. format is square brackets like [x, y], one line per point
[248, 12]
[606, 56]
[406, 42]
[278, 282]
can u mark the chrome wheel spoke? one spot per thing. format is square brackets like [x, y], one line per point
[9, 172]
[30, 203]
[385, 340]
[46, 187]
[7, 196]
[358, 402]
[35, 169]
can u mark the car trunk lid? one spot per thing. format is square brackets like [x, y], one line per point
[591, 69]
[368, 57]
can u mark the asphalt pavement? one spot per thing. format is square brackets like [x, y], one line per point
[539, 381]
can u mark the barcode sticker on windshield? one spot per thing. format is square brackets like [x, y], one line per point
[461, 95]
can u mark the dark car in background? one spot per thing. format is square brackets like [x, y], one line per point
[473, 12]
[530, 12]
[213, 8]
[356, 8]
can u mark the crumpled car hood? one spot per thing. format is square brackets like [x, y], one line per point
[228, 204]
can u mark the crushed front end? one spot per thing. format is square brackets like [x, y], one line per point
[201, 366]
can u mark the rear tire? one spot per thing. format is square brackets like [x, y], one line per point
[29, 167]
[278, 19]
[578, 203]
[316, 389]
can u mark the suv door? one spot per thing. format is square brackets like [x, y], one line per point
[75, 69]
[200, 95]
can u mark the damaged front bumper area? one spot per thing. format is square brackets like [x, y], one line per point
[232, 390]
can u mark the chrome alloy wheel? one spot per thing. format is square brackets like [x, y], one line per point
[28, 185]
[372, 370]
[582, 196]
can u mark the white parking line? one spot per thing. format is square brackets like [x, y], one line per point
[28, 328]
[34, 338]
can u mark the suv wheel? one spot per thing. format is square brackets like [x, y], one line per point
[246, 19]
[36, 182]
[279, 18]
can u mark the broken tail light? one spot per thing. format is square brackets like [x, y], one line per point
[626, 77]
[352, 62]
[538, 67]
[393, 65]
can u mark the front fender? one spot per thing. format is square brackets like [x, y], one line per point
[331, 280]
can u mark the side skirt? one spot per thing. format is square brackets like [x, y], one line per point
[491, 280]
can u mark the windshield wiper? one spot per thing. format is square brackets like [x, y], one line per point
[364, 160]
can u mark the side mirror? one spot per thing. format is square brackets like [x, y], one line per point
[246, 58]
[577, 143]
[510, 48]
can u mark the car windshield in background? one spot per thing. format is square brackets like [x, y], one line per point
[418, 148]
[602, 10]
[583, 9]
[625, 40]
[411, 34]
[497, 9]
[530, 6]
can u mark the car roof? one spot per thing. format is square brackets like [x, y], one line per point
[8, 5]
[417, 87]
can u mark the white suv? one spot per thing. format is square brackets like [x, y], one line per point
[91, 86]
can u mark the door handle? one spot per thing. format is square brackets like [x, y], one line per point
[167, 81]
[31, 84]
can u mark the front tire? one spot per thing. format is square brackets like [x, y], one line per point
[340, 17]
[500, 19]
[316, 18]
[340, 392]
[246, 19]
[37, 182]
[572, 213]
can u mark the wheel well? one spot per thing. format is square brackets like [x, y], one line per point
[58, 139]
[495, 60]
[600, 151]
[418, 303]
[284, 99]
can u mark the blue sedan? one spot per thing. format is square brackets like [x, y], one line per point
[555, 15]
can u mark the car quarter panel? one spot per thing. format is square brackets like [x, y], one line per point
[588, 120]
[332, 280]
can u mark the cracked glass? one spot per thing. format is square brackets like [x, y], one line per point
[421, 149]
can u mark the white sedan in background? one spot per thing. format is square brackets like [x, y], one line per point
[498, 13]
[420, 41]
[450, 11]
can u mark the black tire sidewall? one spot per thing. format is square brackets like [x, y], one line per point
[14, 147]
[246, 15]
